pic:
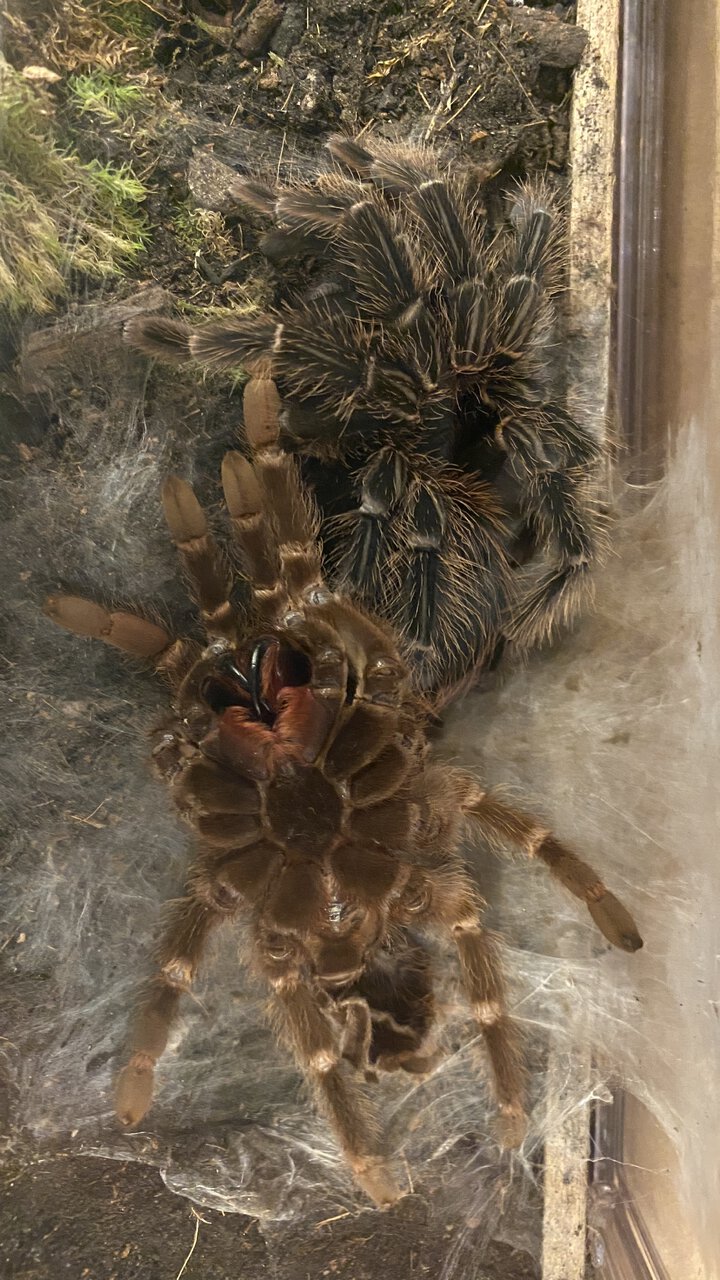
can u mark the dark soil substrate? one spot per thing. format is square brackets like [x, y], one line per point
[485, 80]
[94, 1220]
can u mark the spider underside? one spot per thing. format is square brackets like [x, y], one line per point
[296, 750]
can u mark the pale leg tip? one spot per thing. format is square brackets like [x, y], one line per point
[378, 1182]
[512, 1128]
[133, 1093]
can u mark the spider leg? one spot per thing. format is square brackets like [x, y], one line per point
[253, 534]
[377, 265]
[357, 1033]
[502, 824]
[160, 338]
[348, 362]
[294, 516]
[178, 957]
[305, 217]
[452, 226]
[393, 168]
[496, 301]
[230, 343]
[426, 521]
[398, 519]
[458, 907]
[321, 350]
[204, 564]
[425, 547]
[449, 214]
[398, 994]
[537, 224]
[315, 350]
[126, 631]
[554, 460]
[281, 553]
[482, 975]
[321, 207]
[392, 336]
[522, 314]
[333, 350]
[363, 567]
[456, 572]
[317, 1043]
[385, 277]
[551, 456]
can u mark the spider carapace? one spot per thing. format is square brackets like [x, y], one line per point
[296, 749]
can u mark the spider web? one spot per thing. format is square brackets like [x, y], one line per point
[603, 735]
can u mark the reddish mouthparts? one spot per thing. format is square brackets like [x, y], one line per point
[253, 680]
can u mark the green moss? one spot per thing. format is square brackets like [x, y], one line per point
[202, 230]
[57, 215]
[79, 36]
[115, 186]
[187, 228]
[106, 96]
[127, 18]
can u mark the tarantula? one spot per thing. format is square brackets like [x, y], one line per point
[297, 751]
[420, 361]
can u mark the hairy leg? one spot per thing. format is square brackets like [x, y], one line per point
[457, 576]
[294, 516]
[458, 907]
[207, 572]
[554, 460]
[178, 957]
[363, 565]
[317, 1042]
[125, 631]
[357, 1034]
[503, 824]
[274, 524]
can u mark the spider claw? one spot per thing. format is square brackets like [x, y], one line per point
[348, 153]
[134, 1090]
[615, 922]
[160, 338]
[373, 1174]
[184, 516]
